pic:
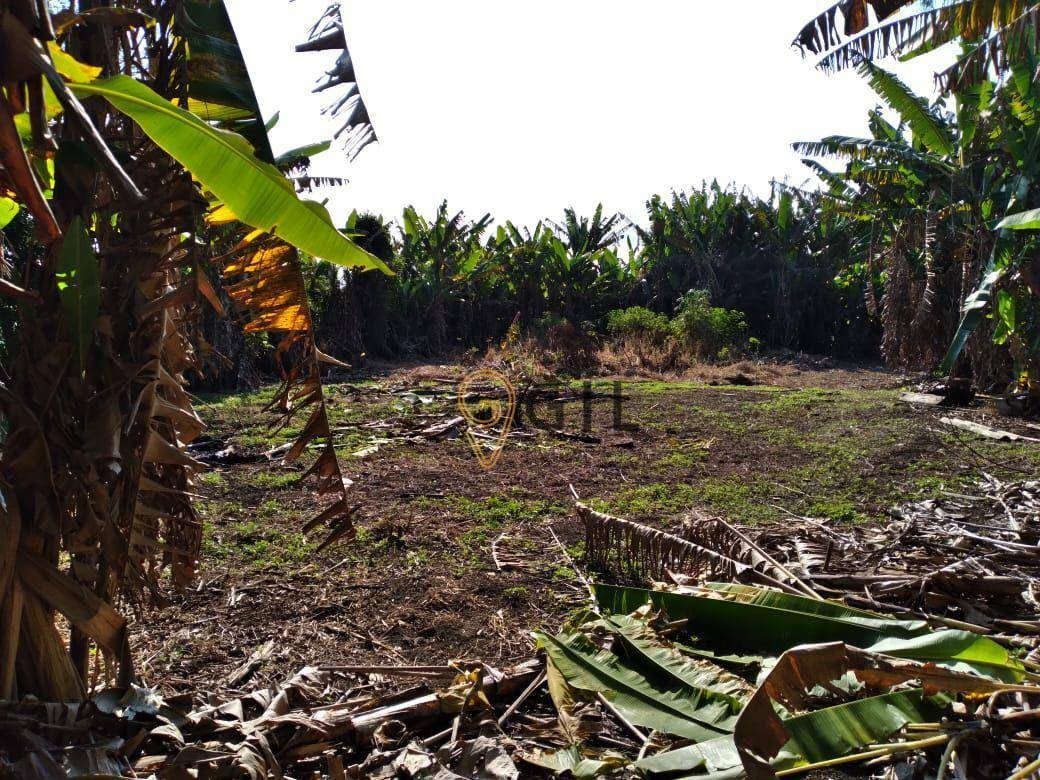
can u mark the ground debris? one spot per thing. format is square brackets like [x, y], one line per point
[898, 648]
[985, 430]
[922, 399]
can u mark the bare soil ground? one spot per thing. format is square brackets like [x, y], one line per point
[421, 584]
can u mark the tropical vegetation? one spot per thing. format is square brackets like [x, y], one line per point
[737, 270]
[126, 195]
[140, 201]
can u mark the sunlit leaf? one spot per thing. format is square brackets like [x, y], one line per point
[8, 210]
[79, 288]
[224, 163]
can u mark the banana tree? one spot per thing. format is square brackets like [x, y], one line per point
[590, 234]
[907, 28]
[996, 37]
[434, 253]
[96, 484]
[925, 194]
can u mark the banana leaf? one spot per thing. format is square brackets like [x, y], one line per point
[973, 311]
[924, 121]
[717, 755]
[224, 163]
[571, 759]
[734, 625]
[845, 728]
[308, 151]
[8, 210]
[219, 87]
[217, 71]
[1023, 220]
[731, 660]
[752, 594]
[961, 651]
[676, 709]
[570, 714]
[828, 733]
[79, 288]
[646, 652]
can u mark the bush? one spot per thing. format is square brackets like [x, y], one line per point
[710, 332]
[573, 349]
[541, 327]
[638, 325]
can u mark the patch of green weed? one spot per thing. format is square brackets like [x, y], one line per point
[267, 480]
[211, 478]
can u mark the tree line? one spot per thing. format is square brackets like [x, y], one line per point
[461, 284]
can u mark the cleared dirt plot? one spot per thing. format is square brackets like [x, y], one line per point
[454, 562]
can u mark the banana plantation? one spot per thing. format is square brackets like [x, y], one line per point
[744, 484]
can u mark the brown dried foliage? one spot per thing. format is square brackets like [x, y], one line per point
[264, 280]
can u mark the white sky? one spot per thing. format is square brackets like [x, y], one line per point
[525, 107]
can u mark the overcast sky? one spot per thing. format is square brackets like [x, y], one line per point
[524, 107]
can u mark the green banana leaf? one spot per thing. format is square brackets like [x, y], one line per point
[79, 288]
[308, 151]
[730, 660]
[219, 87]
[675, 709]
[974, 309]
[224, 163]
[646, 652]
[8, 210]
[751, 594]
[217, 71]
[845, 728]
[924, 121]
[1023, 220]
[961, 651]
[749, 626]
[717, 755]
[828, 733]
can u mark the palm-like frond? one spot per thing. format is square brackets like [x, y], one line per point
[931, 27]
[823, 33]
[851, 148]
[1003, 23]
[838, 188]
[356, 130]
[264, 281]
[999, 51]
[923, 120]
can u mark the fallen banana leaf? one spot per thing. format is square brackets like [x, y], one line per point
[750, 594]
[734, 660]
[571, 713]
[836, 731]
[760, 733]
[676, 710]
[572, 760]
[960, 651]
[715, 755]
[645, 651]
[749, 626]
[821, 735]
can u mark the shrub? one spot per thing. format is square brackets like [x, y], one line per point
[638, 325]
[540, 327]
[710, 332]
[573, 349]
